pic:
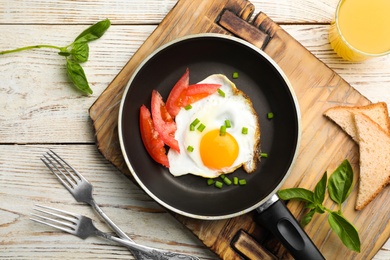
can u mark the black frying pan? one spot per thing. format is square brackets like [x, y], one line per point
[267, 86]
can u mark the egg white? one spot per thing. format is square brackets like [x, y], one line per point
[212, 112]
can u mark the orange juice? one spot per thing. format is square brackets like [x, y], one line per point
[361, 29]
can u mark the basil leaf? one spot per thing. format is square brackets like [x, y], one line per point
[310, 205]
[77, 76]
[94, 32]
[320, 209]
[64, 53]
[296, 193]
[345, 230]
[319, 190]
[340, 182]
[80, 51]
[307, 218]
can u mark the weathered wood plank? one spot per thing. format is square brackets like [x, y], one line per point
[71, 12]
[25, 181]
[31, 78]
[148, 11]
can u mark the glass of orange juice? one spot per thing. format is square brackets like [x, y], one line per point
[361, 29]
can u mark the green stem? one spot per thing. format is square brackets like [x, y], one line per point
[31, 47]
[328, 210]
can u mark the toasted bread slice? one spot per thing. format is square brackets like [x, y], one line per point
[374, 147]
[343, 116]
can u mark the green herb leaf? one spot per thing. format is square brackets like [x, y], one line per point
[320, 208]
[80, 51]
[64, 53]
[77, 76]
[310, 205]
[340, 182]
[307, 218]
[345, 230]
[339, 186]
[94, 32]
[319, 190]
[297, 193]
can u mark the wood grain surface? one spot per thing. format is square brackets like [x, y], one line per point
[39, 110]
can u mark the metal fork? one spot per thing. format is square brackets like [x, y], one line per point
[78, 186]
[83, 227]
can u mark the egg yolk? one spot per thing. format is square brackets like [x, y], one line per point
[218, 151]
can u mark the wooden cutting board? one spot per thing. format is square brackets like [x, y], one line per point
[323, 147]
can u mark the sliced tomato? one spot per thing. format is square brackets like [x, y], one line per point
[153, 143]
[176, 95]
[198, 91]
[163, 122]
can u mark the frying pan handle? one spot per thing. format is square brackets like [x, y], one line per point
[275, 216]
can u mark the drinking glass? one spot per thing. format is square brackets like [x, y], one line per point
[361, 29]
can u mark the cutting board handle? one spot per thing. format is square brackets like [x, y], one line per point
[249, 248]
[241, 28]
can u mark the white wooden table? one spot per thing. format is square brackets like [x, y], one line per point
[39, 110]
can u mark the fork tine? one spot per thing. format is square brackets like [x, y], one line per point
[53, 210]
[56, 164]
[57, 160]
[62, 223]
[68, 225]
[52, 225]
[49, 164]
[67, 164]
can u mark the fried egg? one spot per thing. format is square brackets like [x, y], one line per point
[210, 152]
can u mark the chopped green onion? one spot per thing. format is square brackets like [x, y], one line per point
[270, 115]
[264, 155]
[188, 107]
[242, 182]
[222, 130]
[227, 123]
[195, 122]
[201, 127]
[244, 130]
[224, 180]
[210, 182]
[227, 181]
[218, 184]
[221, 93]
[235, 75]
[190, 148]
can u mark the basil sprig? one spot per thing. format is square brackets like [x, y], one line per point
[339, 188]
[75, 53]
